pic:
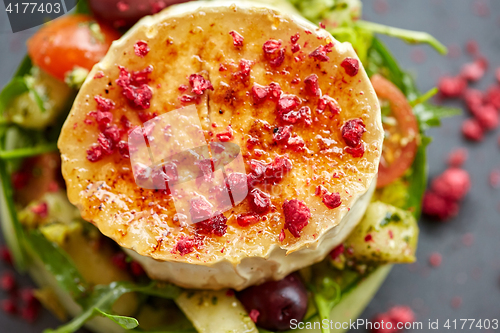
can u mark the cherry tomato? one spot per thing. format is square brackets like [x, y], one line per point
[124, 13]
[69, 41]
[401, 128]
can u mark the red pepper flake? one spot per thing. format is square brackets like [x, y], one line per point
[282, 134]
[452, 86]
[41, 209]
[281, 237]
[458, 157]
[244, 220]
[295, 38]
[325, 102]
[216, 225]
[141, 48]
[435, 259]
[332, 200]
[184, 245]
[9, 306]
[312, 85]
[199, 84]
[472, 130]
[452, 184]
[99, 75]
[297, 216]
[336, 252]
[8, 281]
[271, 46]
[368, 238]
[320, 52]
[134, 87]
[259, 93]
[351, 66]
[104, 104]
[352, 131]
[237, 39]
[495, 178]
[438, 207]
[254, 315]
[95, 153]
[260, 202]
[473, 71]
[225, 136]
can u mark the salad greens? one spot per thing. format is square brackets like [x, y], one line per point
[342, 19]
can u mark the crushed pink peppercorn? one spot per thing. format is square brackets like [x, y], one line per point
[282, 134]
[271, 46]
[8, 281]
[472, 130]
[41, 209]
[287, 103]
[473, 71]
[352, 131]
[297, 216]
[216, 225]
[312, 85]
[237, 38]
[452, 184]
[199, 84]
[9, 306]
[104, 104]
[254, 315]
[270, 173]
[141, 48]
[295, 38]
[134, 87]
[487, 116]
[435, 259]
[452, 86]
[200, 209]
[357, 151]
[260, 201]
[320, 52]
[336, 252]
[244, 220]
[332, 200]
[226, 136]
[105, 143]
[293, 117]
[295, 48]
[184, 245]
[279, 59]
[296, 143]
[95, 153]
[327, 102]
[259, 93]
[457, 157]
[438, 207]
[351, 66]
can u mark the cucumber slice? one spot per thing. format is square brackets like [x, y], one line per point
[215, 312]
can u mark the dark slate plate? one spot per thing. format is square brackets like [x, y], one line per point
[467, 273]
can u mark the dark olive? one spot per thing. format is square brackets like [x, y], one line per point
[124, 13]
[277, 302]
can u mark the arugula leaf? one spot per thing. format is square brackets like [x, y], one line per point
[424, 98]
[326, 294]
[412, 37]
[15, 87]
[418, 180]
[57, 262]
[103, 298]
[28, 151]
[82, 7]
[12, 229]
[127, 323]
[24, 67]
